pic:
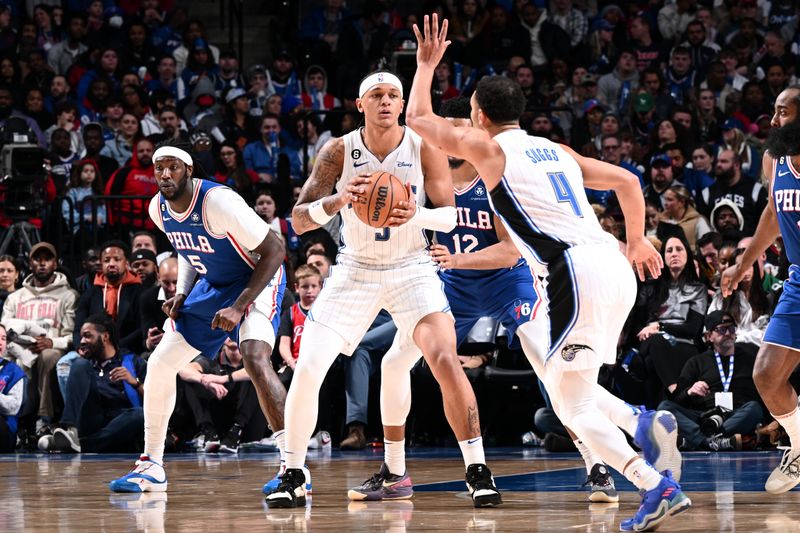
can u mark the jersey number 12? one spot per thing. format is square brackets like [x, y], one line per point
[564, 192]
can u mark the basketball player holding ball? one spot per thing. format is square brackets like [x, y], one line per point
[380, 268]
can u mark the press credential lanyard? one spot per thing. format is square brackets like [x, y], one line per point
[726, 381]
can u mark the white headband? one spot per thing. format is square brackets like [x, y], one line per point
[173, 151]
[379, 77]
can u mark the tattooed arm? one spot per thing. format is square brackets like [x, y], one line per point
[319, 186]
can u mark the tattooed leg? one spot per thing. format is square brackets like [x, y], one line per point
[436, 338]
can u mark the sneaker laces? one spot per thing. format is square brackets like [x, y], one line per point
[376, 479]
[789, 464]
[597, 479]
[482, 479]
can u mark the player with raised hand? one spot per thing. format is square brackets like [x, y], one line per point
[537, 189]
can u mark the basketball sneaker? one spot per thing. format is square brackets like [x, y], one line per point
[383, 486]
[291, 491]
[321, 440]
[602, 485]
[657, 437]
[662, 502]
[718, 443]
[787, 475]
[230, 442]
[146, 476]
[480, 484]
[272, 484]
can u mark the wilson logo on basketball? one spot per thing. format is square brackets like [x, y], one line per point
[380, 202]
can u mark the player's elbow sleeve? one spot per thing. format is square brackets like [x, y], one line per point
[439, 219]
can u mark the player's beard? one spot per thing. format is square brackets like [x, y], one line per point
[454, 163]
[784, 141]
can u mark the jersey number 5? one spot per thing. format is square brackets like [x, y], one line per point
[197, 263]
[564, 192]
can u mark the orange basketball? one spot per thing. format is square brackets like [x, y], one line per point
[383, 194]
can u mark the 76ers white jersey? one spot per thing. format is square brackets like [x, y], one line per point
[387, 247]
[541, 199]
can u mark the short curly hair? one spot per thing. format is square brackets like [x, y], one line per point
[500, 98]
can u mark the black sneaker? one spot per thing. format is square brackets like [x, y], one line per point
[718, 443]
[291, 491]
[602, 485]
[480, 484]
[230, 442]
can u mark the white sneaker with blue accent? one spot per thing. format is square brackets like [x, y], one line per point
[272, 484]
[657, 437]
[146, 476]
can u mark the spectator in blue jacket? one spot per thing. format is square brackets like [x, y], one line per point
[103, 406]
[262, 156]
[12, 387]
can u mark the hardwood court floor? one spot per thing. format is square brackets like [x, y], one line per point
[541, 492]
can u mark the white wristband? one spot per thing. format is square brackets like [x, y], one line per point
[317, 213]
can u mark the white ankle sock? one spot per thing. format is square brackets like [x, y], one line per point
[395, 456]
[588, 457]
[791, 423]
[472, 450]
[642, 474]
[280, 439]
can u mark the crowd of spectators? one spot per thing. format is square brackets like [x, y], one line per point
[678, 92]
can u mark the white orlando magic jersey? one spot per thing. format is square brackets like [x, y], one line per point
[387, 247]
[541, 199]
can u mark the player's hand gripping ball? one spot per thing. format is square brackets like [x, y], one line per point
[381, 195]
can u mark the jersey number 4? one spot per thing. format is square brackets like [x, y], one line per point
[564, 192]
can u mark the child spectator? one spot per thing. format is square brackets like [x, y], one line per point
[308, 283]
[85, 181]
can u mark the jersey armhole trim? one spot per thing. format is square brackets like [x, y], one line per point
[205, 217]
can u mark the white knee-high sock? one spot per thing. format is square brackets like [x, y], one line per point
[172, 354]
[624, 415]
[319, 347]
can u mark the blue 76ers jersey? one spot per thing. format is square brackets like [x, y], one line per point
[786, 195]
[217, 258]
[474, 229]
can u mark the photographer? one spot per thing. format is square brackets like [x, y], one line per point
[725, 368]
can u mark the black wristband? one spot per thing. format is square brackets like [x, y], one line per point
[230, 377]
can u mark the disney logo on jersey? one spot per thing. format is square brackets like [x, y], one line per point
[401, 164]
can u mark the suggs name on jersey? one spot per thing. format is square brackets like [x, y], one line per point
[541, 154]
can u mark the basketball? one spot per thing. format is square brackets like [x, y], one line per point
[383, 194]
